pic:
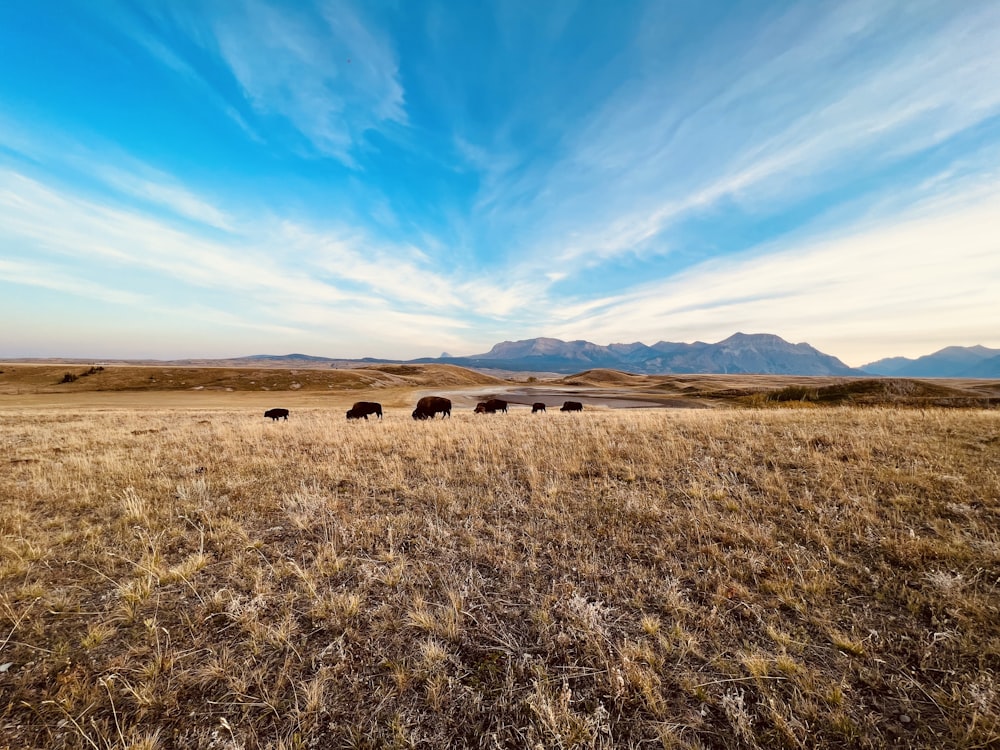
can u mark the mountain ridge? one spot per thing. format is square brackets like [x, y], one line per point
[741, 353]
[950, 362]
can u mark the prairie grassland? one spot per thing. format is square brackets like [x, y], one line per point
[746, 578]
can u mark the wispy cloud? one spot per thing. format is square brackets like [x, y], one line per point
[314, 76]
[756, 129]
[72, 281]
[59, 279]
[325, 71]
[386, 272]
[81, 228]
[109, 168]
[160, 190]
[860, 295]
[363, 293]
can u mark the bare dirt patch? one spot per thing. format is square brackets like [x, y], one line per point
[610, 398]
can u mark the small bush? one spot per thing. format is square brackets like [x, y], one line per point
[70, 377]
[793, 393]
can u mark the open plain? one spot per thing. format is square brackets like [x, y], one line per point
[781, 567]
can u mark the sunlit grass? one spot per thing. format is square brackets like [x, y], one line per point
[769, 578]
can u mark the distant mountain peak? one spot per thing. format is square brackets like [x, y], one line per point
[759, 339]
[971, 352]
[951, 362]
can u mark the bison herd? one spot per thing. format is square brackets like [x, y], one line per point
[429, 407]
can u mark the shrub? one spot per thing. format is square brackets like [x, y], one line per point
[793, 393]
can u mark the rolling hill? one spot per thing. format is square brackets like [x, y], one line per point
[65, 378]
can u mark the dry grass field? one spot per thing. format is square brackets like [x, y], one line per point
[721, 578]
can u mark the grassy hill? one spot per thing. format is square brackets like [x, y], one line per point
[604, 378]
[795, 390]
[892, 391]
[22, 379]
[718, 578]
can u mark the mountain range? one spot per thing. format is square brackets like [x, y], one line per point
[950, 362]
[740, 353]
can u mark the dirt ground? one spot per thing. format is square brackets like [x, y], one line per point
[554, 396]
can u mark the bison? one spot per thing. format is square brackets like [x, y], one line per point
[572, 406]
[492, 406]
[429, 406]
[363, 409]
[537, 406]
[276, 414]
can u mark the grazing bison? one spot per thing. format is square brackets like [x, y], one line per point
[429, 406]
[276, 414]
[537, 406]
[572, 406]
[492, 406]
[363, 409]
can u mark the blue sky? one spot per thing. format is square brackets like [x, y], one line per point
[404, 178]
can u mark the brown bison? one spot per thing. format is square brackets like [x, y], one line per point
[537, 406]
[276, 414]
[363, 409]
[572, 406]
[492, 406]
[429, 406]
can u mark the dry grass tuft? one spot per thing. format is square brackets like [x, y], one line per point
[747, 578]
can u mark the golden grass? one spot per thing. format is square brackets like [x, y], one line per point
[745, 578]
